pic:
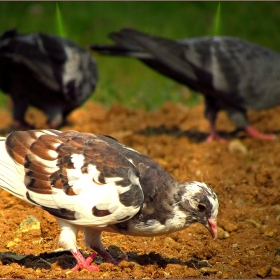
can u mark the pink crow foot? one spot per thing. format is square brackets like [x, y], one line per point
[84, 263]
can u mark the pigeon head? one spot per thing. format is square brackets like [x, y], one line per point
[200, 204]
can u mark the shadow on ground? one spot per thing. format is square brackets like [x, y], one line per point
[193, 135]
[65, 259]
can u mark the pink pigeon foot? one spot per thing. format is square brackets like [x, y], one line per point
[253, 132]
[84, 263]
[215, 136]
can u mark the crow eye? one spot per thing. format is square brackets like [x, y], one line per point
[201, 207]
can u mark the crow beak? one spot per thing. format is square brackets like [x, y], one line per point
[212, 226]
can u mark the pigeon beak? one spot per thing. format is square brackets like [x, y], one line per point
[212, 226]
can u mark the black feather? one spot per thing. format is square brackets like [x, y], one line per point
[45, 71]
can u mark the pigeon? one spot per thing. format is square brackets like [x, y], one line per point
[94, 183]
[233, 74]
[50, 73]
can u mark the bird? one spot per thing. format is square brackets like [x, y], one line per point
[233, 74]
[94, 183]
[48, 72]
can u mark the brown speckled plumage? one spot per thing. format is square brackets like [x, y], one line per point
[95, 183]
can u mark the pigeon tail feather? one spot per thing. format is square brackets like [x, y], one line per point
[11, 174]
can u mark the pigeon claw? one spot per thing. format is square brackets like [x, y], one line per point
[86, 266]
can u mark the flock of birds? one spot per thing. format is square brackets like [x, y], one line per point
[94, 183]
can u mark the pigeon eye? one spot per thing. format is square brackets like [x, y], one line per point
[201, 207]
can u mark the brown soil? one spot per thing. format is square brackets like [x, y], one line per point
[244, 173]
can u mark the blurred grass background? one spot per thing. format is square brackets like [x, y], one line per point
[126, 80]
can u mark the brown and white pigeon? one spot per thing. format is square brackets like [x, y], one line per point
[50, 73]
[233, 75]
[94, 183]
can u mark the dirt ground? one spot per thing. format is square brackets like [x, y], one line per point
[244, 173]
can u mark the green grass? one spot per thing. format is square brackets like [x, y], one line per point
[126, 80]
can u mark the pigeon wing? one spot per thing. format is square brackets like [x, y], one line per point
[77, 176]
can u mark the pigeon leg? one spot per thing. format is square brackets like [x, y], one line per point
[107, 257]
[67, 239]
[210, 113]
[253, 132]
[84, 263]
[19, 107]
[55, 115]
[92, 240]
